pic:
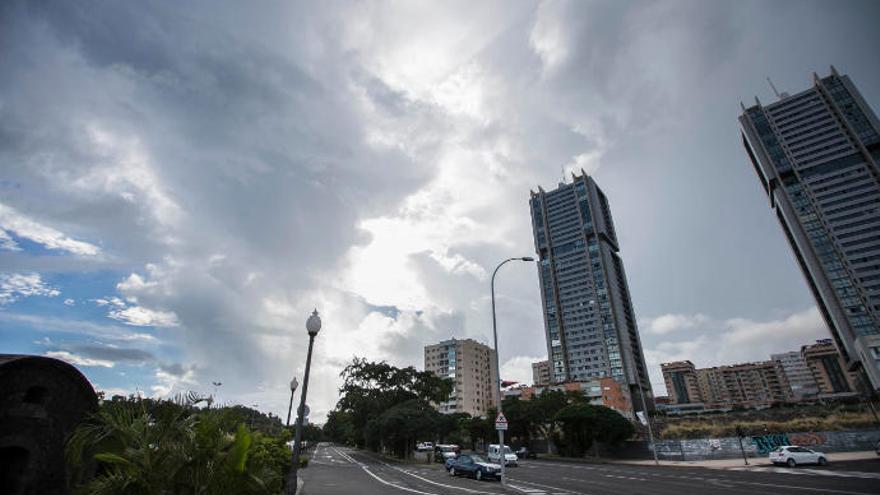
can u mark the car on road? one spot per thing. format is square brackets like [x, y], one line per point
[525, 453]
[792, 455]
[494, 455]
[442, 452]
[424, 446]
[474, 466]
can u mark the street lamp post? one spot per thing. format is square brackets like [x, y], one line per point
[313, 326]
[498, 368]
[293, 385]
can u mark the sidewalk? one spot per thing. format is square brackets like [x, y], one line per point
[753, 461]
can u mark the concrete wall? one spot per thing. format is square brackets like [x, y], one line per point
[760, 445]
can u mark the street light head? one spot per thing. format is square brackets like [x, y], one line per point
[293, 385]
[313, 324]
[527, 258]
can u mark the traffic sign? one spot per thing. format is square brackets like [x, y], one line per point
[500, 422]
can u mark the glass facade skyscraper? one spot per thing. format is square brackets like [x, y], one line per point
[588, 316]
[816, 155]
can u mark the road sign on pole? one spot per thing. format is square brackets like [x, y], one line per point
[500, 422]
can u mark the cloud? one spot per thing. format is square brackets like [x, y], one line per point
[7, 242]
[79, 360]
[69, 302]
[173, 378]
[234, 168]
[664, 324]
[26, 228]
[112, 353]
[519, 369]
[14, 286]
[140, 316]
[103, 332]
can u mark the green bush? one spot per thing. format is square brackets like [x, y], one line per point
[143, 447]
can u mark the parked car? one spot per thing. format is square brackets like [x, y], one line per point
[474, 466]
[494, 455]
[444, 452]
[524, 453]
[425, 446]
[792, 455]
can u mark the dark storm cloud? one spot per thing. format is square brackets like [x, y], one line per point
[114, 354]
[229, 153]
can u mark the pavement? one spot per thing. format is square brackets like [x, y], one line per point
[833, 457]
[337, 470]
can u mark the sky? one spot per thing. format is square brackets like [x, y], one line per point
[181, 184]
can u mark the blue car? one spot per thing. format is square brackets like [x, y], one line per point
[473, 466]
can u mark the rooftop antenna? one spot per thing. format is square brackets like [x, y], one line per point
[779, 95]
[562, 168]
[774, 88]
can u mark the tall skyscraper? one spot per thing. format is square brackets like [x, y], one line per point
[588, 316]
[816, 155]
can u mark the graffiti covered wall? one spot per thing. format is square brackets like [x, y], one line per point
[761, 445]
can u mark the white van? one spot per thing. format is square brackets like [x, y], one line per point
[494, 455]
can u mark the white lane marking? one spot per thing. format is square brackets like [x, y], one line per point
[377, 478]
[426, 480]
[811, 472]
[380, 480]
[554, 488]
[797, 487]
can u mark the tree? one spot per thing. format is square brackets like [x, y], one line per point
[542, 411]
[372, 388]
[520, 421]
[401, 426]
[583, 424]
[339, 428]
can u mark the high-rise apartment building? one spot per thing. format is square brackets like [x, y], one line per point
[471, 366]
[828, 369]
[681, 382]
[739, 385]
[541, 373]
[588, 316]
[800, 377]
[816, 154]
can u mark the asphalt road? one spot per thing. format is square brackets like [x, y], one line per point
[336, 470]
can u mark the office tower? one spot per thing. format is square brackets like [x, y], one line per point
[800, 378]
[816, 155]
[541, 373]
[827, 369]
[471, 366]
[681, 382]
[588, 316]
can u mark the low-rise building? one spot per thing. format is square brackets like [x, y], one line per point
[471, 366]
[603, 391]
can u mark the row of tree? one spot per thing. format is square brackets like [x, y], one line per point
[385, 408]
